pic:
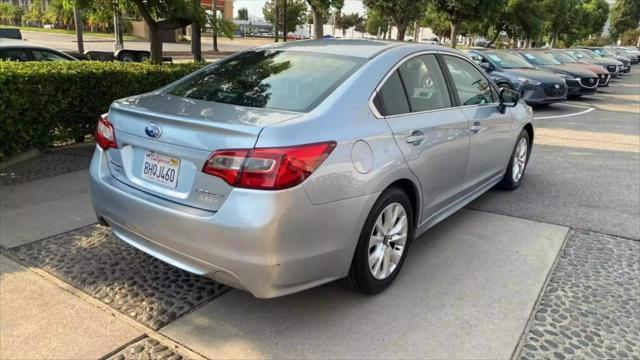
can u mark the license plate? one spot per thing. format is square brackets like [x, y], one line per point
[160, 169]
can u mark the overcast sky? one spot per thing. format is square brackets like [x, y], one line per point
[255, 7]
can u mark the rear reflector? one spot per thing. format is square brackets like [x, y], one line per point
[268, 168]
[105, 134]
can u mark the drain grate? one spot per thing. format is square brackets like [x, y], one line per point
[591, 306]
[130, 281]
[146, 349]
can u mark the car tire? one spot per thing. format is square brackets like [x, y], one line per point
[127, 57]
[144, 57]
[517, 163]
[372, 241]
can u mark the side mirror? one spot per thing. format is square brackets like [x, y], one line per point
[486, 66]
[508, 98]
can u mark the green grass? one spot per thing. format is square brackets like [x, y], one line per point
[68, 32]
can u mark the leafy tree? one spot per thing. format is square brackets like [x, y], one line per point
[165, 15]
[345, 22]
[458, 11]
[377, 23]
[35, 13]
[296, 14]
[10, 14]
[402, 12]
[518, 18]
[624, 16]
[437, 21]
[562, 17]
[630, 37]
[319, 10]
[243, 14]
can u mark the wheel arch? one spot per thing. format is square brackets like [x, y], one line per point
[528, 127]
[412, 191]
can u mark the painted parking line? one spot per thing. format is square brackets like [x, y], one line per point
[588, 140]
[588, 110]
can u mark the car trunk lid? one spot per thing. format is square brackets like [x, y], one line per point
[164, 142]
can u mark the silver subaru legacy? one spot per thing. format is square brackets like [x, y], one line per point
[288, 166]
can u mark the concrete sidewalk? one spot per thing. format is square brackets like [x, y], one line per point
[45, 207]
[40, 320]
[466, 291]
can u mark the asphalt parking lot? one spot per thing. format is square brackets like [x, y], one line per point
[548, 271]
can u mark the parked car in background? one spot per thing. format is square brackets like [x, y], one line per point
[624, 52]
[326, 167]
[564, 58]
[602, 53]
[613, 66]
[510, 71]
[579, 80]
[10, 33]
[20, 50]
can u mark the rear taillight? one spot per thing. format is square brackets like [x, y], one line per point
[268, 168]
[105, 134]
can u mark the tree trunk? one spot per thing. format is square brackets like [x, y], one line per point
[554, 39]
[318, 24]
[276, 27]
[196, 43]
[156, 45]
[402, 29]
[495, 37]
[455, 27]
[77, 19]
[117, 30]
[214, 25]
[416, 34]
[284, 20]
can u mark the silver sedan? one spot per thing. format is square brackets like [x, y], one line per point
[288, 166]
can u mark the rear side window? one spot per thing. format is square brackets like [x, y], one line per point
[391, 99]
[44, 55]
[472, 87]
[14, 55]
[285, 80]
[424, 84]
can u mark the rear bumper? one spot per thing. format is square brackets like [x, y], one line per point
[268, 243]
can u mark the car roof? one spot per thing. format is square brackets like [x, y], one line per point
[363, 48]
[16, 43]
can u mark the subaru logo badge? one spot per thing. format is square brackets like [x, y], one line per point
[557, 86]
[153, 130]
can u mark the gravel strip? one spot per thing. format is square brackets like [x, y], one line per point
[130, 281]
[51, 163]
[147, 349]
[591, 306]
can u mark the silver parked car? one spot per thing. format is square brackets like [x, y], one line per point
[288, 166]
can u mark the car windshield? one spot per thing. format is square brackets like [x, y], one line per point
[539, 58]
[563, 57]
[284, 80]
[508, 61]
[603, 52]
[592, 54]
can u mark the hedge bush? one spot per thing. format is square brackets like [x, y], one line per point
[44, 102]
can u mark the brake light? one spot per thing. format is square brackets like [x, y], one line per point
[105, 134]
[268, 168]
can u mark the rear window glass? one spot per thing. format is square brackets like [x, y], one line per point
[282, 80]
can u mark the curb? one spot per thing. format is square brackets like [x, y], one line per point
[24, 156]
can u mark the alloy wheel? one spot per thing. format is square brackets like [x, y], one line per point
[520, 159]
[387, 241]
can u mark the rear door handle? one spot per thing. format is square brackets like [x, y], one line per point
[416, 137]
[476, 127]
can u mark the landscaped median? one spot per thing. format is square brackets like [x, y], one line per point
[42, 103]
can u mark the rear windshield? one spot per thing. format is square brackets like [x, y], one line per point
[508, 61]
[540, 58]
[284, 80]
